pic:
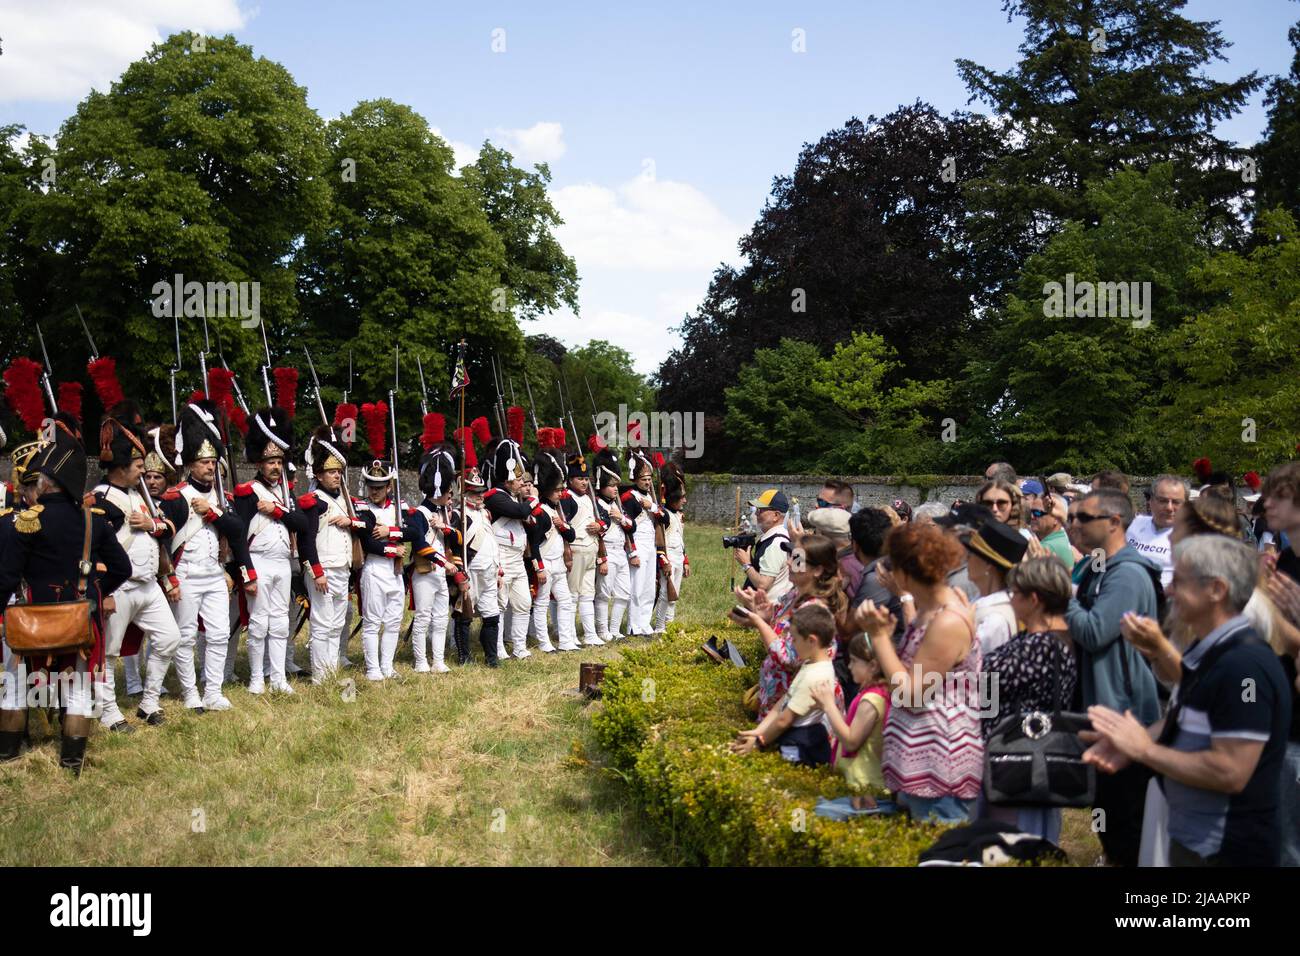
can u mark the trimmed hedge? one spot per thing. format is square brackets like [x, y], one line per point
[667, 717]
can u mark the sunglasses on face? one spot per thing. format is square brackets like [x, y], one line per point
[823, 503]
[1084, 518]
[995, 502]
[1037, 513]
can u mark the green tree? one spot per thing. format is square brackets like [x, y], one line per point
[207, 164]
[406, 255]
[779, 427]
[1237, 397]
[1079, 391]
[899, 427]
[1102, 85]
[537, 272]
[1279, 150]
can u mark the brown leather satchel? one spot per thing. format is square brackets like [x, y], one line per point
[43, 630]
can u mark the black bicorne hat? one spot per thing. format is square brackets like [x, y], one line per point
[63, 461]
[269, 433]
[577, 463]
[199, 433]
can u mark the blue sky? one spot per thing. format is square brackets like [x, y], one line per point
[663, 123]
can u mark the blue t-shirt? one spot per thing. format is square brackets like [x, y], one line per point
[1240, 695]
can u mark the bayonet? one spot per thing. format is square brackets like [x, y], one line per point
[424, 392]
[531, 413]
[94, 352]
[45, 372]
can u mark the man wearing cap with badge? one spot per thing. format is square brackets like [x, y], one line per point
[766, 565]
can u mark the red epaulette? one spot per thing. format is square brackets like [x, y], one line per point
[625, 496]
[244, 490]
[565, 493]
[308, 501]
[171, 494]
[491, 491]
[179, 485]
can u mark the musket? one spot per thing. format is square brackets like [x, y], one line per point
[234, 382]
[531, 414]
[424, 392]
[593, 404]
[203, 370]
[500, 407]
[325, 420]
[510, 382]
[171, 375]
[270, 403]
[564, 428]
[349, 388]
[397, 474]
[45, 372]
[591, 491]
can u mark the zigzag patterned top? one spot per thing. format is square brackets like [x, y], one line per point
[935, 749]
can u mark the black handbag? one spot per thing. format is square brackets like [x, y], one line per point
[1035, 759]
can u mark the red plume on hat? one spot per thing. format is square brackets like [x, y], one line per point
[595, 444]
[658, 459]
[481, 430]
[515, 424]
[1202, 468]
[221, 388]
[197, 395]
[103, 373]
[345, 412]
[23, 390]
[1251, 480]
[435, 430]
[375, 415]
[286, 389]
[546, 439]
[465, 438]
[70, 398]
[239, 418]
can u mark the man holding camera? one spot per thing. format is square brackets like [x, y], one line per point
[765, 560]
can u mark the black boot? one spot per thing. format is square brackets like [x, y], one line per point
[13, 728]
[461, 633]
[72, 753]
[487, 636]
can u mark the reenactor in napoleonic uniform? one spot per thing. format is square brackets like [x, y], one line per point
[58, 550]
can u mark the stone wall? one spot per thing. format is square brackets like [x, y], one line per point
[711, 499]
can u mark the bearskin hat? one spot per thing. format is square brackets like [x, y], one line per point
[438, 469]
[199, 434]
[504, 460]
[672, 480]
[324, 452]
[606, 468]
[269, 433]
[548, 472]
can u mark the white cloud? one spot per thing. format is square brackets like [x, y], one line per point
[464, 152]
[539, 143]
[60, 49]
[645, 251]
[645, 224]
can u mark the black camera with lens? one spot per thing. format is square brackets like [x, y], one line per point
[742, 541]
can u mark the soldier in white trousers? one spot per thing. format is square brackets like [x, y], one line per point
[435, 538]
[205, 524]
[517, 526]
[640, 505]
[328, 548]
[272, 518]
[383, 590]
[589, 562]
[484, 565]
[674, 564]
[159, 474]
[548, 479]
[614, 587]
[141, 601]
